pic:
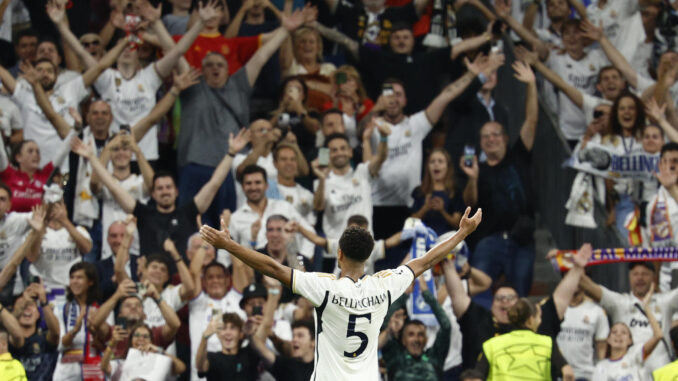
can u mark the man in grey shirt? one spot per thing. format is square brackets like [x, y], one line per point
[214, 108]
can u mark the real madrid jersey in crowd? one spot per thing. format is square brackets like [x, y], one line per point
[401, 172]
[582, 326]
[36, 125]
[131, 100]
[582, 75]
[348, 316]
[625, 308]
[346, 195]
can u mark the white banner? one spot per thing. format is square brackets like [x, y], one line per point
[145, 366]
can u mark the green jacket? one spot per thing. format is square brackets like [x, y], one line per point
[401, 366]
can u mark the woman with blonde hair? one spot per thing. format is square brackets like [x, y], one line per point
[306, 60]
[436, 201]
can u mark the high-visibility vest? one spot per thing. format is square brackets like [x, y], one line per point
[10, 369]
[666, 373]
[519, 355]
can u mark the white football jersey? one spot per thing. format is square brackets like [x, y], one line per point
[348, 315]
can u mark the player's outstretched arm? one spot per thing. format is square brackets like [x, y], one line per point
[436, 254]
[221, 239]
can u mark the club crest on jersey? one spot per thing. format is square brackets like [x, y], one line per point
[592, 67]
[408, 133]
[141, 88]
[289, 199]
[586, 319]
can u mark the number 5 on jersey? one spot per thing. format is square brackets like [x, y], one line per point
[350, 331]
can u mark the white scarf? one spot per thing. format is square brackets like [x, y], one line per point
[86, 204]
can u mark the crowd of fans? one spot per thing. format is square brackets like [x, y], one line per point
[128, 124]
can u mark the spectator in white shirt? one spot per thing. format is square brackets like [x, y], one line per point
[258, 208]
[286, 158]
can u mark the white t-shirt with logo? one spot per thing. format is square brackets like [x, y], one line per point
[582, 75]
[243, 218]
[378, 252]
[36, 125]
[622, 308]
[199, 316]
[582, 326]
[627, 368]
[172, 296]
[613, 16]
[346, 195]
[112, 211]
[131, 100]
[10, 116]
[58, 253]
[13, 228]
[401, 172]
[302, 200]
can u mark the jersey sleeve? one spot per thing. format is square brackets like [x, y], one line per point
[312, 286]
[421, 126]
[396, 280]
[104, 81]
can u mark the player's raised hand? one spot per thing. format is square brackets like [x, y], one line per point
[468, 225]
[220, 239]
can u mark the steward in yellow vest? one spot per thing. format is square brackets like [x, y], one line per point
[10, 369]
[522, 355]
[669, 372]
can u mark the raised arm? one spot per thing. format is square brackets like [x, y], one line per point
[319, 194]
[201, 361]
[122, 255]
[591, 288]
[531, 58]
[481, 64]
[570, 282]
[377, 160]
[106, 61]
[351, 46]
[309, 235]
[234, 26]
[59, 123]
[158, 30]
[172, 322]
[657, 333]
[529, 129]
[221, 239]
[121, 196]
[264, 330]
[259, 59]
[618, 60]
[7, 80]
[654, 111]
[455, 288]
[180, 83]
[187, 282]
[166, 63]
[37, 222]
[503, 10]
[206, 194]
[436, 254]
[10, 323]
[57, 13]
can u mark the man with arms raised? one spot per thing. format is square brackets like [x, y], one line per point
[349, 310]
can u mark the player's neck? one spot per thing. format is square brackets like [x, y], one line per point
[354, 272]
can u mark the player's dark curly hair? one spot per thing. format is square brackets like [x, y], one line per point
[356, 243]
